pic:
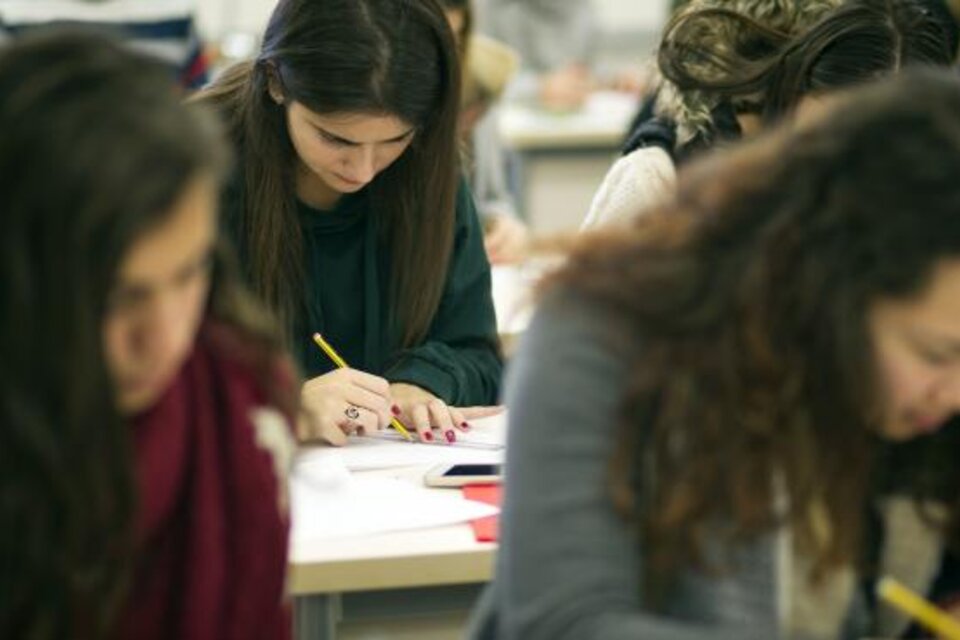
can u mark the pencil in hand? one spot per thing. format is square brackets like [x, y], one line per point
[927, 614]
[341, 364]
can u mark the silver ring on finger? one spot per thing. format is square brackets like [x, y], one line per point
[352, 412]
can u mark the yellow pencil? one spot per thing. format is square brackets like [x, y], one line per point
[932, 617]
[341, 363]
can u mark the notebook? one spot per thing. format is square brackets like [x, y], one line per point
[485, 529]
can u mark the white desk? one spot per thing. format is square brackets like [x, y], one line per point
[327, 577]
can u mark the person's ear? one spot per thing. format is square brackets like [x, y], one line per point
[274, 87]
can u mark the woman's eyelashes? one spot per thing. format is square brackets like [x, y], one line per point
[329, 138]
[335, 140]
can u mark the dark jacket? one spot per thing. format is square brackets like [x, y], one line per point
[347, 268]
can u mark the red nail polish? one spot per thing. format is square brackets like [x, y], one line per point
[396, 410]
[428, 436]
[451, 437]
[465, 426]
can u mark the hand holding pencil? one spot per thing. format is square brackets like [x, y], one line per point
[378, 385]
[426, 413]
[341, 403]
[925, 613]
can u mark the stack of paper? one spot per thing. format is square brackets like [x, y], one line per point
[328, 502]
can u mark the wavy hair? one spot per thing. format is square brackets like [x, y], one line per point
[743, 306]
[765, 57]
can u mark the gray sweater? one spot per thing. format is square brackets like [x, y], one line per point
[569, 567]
[548, 35]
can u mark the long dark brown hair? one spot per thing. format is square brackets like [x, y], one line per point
[392, 57]
[95, 149]
[754, 67]
[744, 305]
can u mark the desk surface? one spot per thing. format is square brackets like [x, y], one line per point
[424, 557]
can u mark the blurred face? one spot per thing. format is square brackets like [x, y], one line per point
[815, 107]
[159, 298]
[809, 110]
[750, 124]
[343, 152]
[917, 344]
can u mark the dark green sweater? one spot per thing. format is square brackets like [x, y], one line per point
[347, 280]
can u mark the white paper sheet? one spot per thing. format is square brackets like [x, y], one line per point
[365, 454]
[328, 502]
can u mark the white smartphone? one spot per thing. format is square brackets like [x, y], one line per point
[457, 475]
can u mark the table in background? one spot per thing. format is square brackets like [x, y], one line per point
[563, 157]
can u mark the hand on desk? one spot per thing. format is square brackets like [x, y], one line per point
[342, 402]
[506, 240]
[566, 89]
[430, 416]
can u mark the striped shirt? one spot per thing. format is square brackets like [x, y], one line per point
[163, 28]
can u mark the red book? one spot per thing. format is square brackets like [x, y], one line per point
[484, 529]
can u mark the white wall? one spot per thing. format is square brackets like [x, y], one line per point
[217, 17]
[631, 15]
[223, 16]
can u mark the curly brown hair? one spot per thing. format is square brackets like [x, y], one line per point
[743, 306]
[765, 57]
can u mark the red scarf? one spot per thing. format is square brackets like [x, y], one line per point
[211, 532]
